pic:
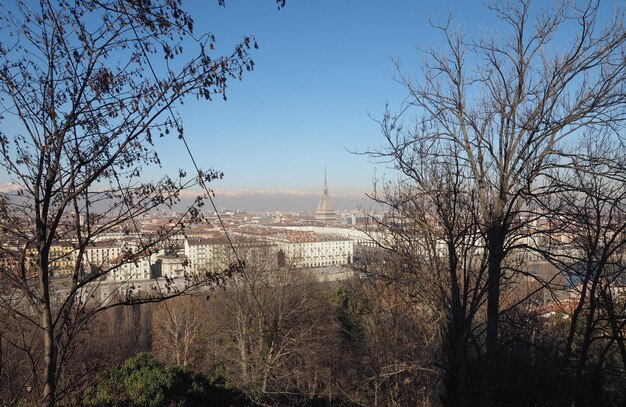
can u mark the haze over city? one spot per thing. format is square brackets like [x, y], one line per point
[324, 72]
[321, 70]
[313, 203]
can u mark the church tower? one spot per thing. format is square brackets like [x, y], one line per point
[325, 211]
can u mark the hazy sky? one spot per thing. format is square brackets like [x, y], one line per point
[321, 68]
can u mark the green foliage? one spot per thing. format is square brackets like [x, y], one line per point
[144, 381]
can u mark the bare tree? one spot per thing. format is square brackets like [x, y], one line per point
[586, 202]
[176, 327]
[86, 87]
[431, 221]
[272, 330]
[502, 107]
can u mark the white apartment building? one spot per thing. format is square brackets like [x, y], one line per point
[109, 255]
[171, 265]
[99, 253]
[301, 250]
[356, 235]
[129, 270]
[206, 255]
[316, 250]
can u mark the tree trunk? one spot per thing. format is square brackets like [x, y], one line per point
[49, 358]
[585, 346]
[455, 388]
[243, 351]
[1, 359]
[457, 391]
[495, 243]
[617, 331]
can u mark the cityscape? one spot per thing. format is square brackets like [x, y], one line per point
[287, 203]
[322, 240]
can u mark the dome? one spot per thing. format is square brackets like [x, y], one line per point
[325, 210]
[325, 205]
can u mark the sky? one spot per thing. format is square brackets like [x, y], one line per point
[324, 69]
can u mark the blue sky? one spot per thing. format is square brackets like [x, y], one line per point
[322, 66]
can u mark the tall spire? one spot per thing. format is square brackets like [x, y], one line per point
[325, 183]
[325, 212]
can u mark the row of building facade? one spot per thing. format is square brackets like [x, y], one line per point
[125, 259]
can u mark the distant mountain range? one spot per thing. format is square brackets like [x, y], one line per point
[270, 200]
[262, 199]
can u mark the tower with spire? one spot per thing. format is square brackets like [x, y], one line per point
[325, 212]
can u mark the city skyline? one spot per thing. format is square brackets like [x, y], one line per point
[260, 200]
[402, 203]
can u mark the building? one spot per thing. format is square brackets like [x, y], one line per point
[308, 249]
[360, 237]
[170, 265]
[206, 254]
[130, 270]
[325, 212]
[97, 254]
